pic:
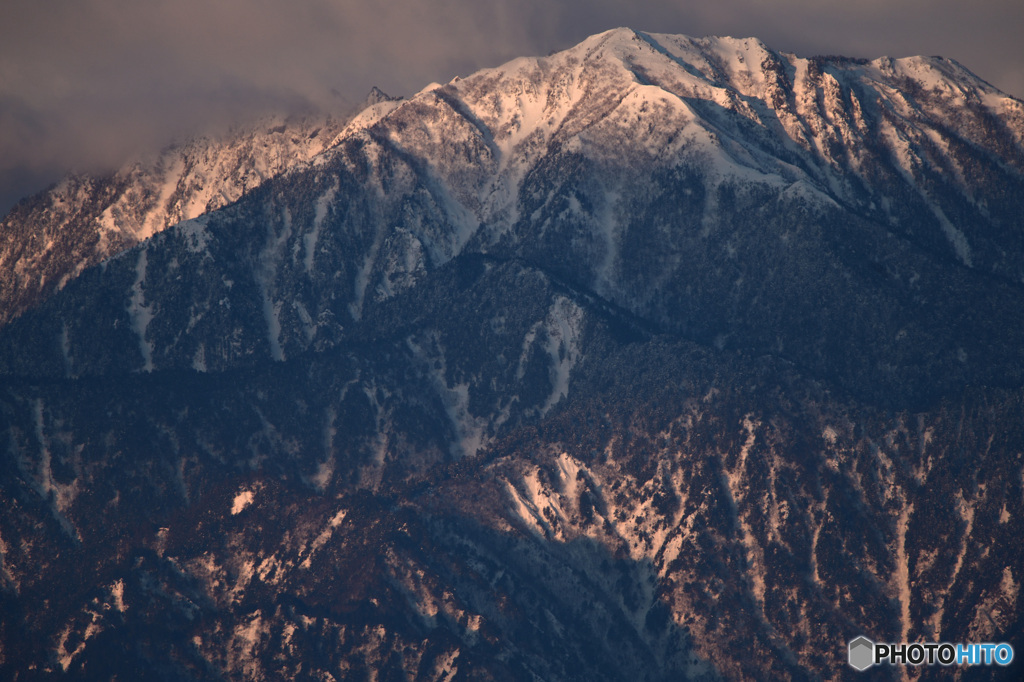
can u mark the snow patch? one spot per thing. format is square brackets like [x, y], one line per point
[902, 575]
[266, 273]
[609, 229]
[323, 475]
[563, 326]
[65, 349]
[966, 511]
[309, 327]
[272, 314]
[117, 593]
[241, 501]
[199, 359]
[362, 280]
[58, 496]
[956, 238]
[524, 354]
[66, 657]
[906, 161]
[734, 480]
[309, 239]
[244, 642]
[527, 511]
[325, 469]
[324, 536]
[140, 313]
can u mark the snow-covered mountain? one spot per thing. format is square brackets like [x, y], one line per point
[657, 357]
[54, 236]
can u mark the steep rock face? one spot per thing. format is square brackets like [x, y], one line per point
[657, 358]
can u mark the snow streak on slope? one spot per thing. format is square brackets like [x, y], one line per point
[140, 313]
[563, 347]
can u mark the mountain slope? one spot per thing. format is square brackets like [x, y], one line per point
[533, 160]
[54, 236]
[705, 513]
[657, 357]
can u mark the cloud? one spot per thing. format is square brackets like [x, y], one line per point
[88, 83]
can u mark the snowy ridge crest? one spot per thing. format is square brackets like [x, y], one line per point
[622, 164]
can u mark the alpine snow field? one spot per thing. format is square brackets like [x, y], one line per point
[655, 359]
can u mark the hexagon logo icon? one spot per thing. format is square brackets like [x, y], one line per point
[862, 653]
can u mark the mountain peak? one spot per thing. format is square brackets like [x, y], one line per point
[377, 95]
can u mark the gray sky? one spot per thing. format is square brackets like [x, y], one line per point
[87, 83]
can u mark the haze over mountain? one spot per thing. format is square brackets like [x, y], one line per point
[655, 358]
[87, 84]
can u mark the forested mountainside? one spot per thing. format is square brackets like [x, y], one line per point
[657, 358]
